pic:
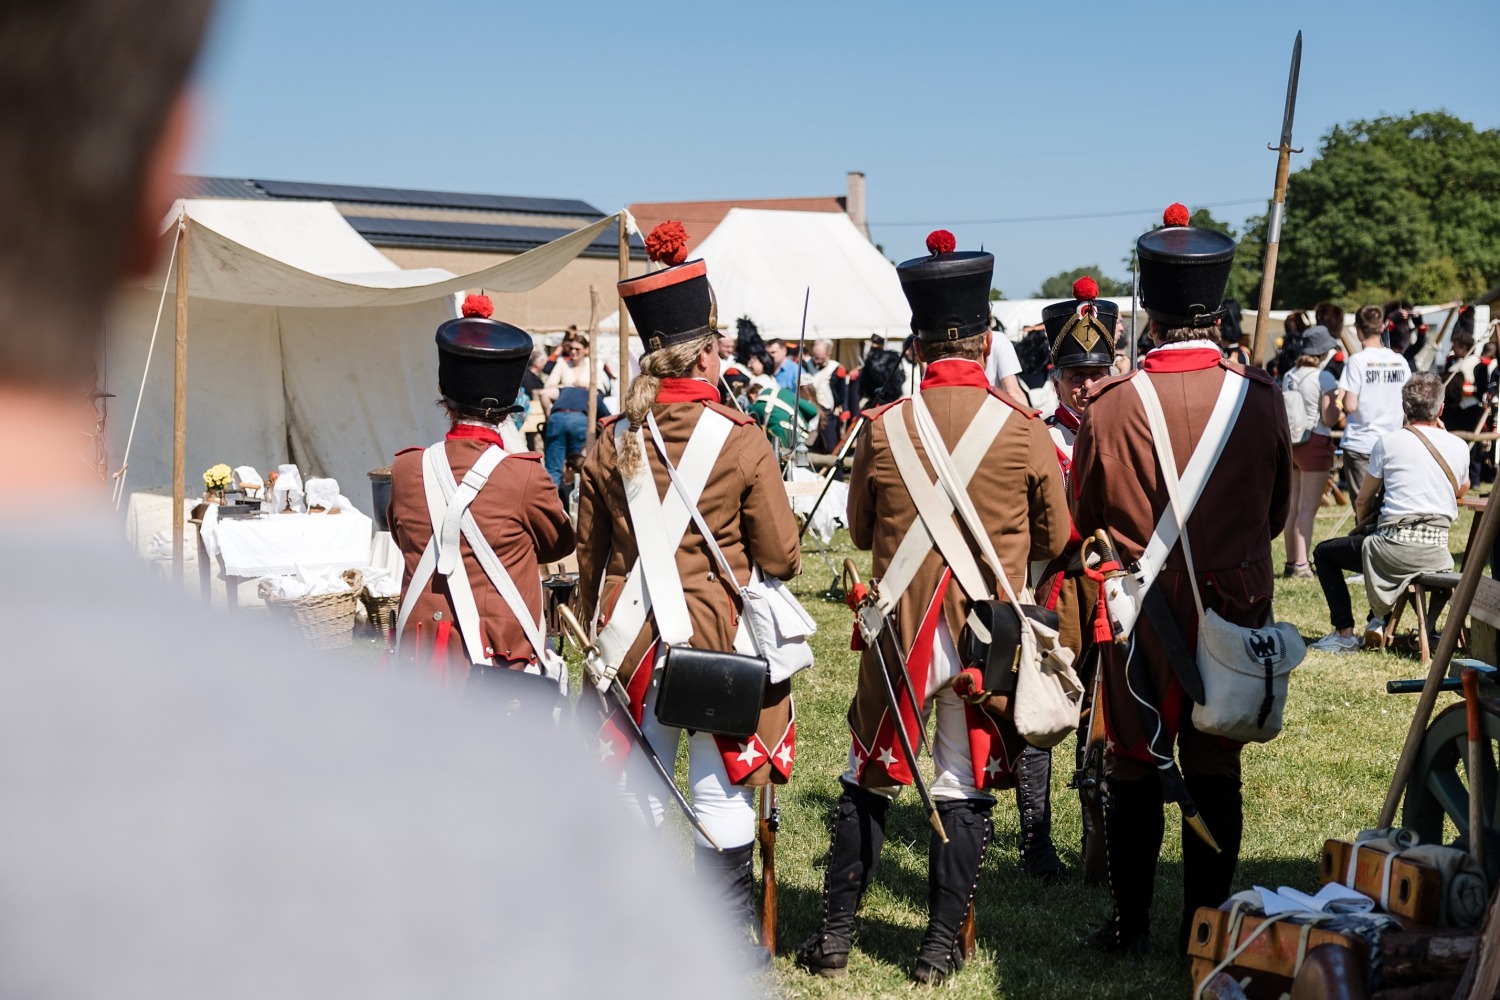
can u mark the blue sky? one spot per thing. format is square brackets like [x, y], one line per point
[959, 113]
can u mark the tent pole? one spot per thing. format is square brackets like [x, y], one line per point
[622, 378]
[588, 438]
[179, 404]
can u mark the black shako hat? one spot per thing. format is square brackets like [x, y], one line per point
[673, 305]
[481, 361]
[1183, 271]
[1082, 329]
[949, 292]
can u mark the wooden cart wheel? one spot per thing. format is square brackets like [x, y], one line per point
[1439, 785]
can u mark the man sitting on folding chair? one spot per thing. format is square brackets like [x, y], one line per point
[1416, 476]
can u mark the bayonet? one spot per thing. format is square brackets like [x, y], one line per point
[1261, 346]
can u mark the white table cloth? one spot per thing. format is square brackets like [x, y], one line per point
[279, 543]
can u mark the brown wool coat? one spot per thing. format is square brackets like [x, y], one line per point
[1244, 505]
[745, 505]
[1017, 492]
[521, 517]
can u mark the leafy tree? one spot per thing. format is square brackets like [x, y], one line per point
[1060, 286]
[1393, 205]
[996, 295]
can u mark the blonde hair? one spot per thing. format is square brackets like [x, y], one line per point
[672, 361]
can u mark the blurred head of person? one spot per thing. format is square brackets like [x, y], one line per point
[822, 352]
[726, 345]
[95, 121]
[1370, 322]
[776, 350]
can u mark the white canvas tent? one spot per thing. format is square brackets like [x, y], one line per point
[761, 263]
[305, 344]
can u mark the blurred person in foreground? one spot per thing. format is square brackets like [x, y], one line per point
[1416, 476]
[194, 809]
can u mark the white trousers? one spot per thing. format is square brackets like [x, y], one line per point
[953, 766]
[727, 810]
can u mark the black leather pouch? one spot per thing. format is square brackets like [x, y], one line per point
[707, 691]
[997, 658]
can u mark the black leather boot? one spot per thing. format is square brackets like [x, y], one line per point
[730, 878]
[1207, 876]
[1037, 856]
[1133, 826]
[858, 834]
[952, 871]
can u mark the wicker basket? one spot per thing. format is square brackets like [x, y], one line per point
[326, 621]
[383, 611]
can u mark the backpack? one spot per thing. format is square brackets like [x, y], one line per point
[1294, 397]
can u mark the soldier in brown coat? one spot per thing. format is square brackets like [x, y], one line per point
[1081, 331]
[744, 503]
[517, 511]
[1119, 488]
[1018, 492]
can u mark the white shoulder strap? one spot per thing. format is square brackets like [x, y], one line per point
[656, 541]
[934, 509]
[448, 503]
[1161, 440]
[932, 443]
[1200, 466]
[972, 449]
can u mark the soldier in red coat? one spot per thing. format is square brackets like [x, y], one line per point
[460, 612]
[1119, 487]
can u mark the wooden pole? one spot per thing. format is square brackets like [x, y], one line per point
[622, 377]
[1261, 346]
[588, 440]
[179, 402]
[1458, 610]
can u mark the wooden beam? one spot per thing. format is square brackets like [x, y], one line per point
[179, 402]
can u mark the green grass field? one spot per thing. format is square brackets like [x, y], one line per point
[1325, 776]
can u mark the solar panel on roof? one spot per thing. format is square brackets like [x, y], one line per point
[427, 199]
[474, 232]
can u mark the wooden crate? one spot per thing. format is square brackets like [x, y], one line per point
[1270, 960]
[1415, 890]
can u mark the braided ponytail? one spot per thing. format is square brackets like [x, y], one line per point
[672, 361]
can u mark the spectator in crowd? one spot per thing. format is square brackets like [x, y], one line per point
[1330, 316]
[1003, 367]
[1467, 376]
[782, 366]
[1370, 394]
[572, 369]
[1406, 331]
[1231, 336]
[829, 384]
[532, 384]
[1311, 397]
[760, 366]
[1424, 470]
[1289, 350]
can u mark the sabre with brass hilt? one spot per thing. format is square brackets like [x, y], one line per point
[871, 622]
[1174, 788]
[606, 681]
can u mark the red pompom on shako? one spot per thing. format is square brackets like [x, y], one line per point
[940, 241]
[667, 243]
[1085, 288]
[478, 305]
[1175, 215]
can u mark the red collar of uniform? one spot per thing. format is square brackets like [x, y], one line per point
[686, 390]
[955, 371]
[487, 434]
[1189, 359]
[1066, 417]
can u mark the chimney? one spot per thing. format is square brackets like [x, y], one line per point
[854, 201]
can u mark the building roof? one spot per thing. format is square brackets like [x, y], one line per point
[437, 220]
[700, 218]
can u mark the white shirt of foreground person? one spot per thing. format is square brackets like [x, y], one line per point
[1413, 483]
[197, 808]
